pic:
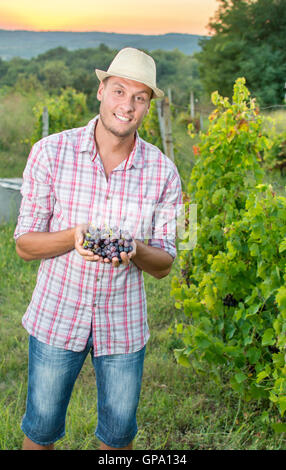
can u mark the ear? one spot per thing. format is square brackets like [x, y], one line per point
[100, 91]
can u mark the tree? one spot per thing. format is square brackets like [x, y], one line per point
[179, 72]
[55, 75]
[249, 41]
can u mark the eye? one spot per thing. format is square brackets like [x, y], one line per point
[141, 99]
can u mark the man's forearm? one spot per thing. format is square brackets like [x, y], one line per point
[40, 245]
[154, 261]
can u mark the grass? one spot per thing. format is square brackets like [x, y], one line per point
[178, 409]
[12, 164]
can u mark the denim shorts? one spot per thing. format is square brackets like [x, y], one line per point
[52, 374]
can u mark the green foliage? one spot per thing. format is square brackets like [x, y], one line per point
[16, 121]
[17, 124]
[150, 129]
[65, 112]
[55, 75]
[180, 73]
[232, 284]
[248, 39]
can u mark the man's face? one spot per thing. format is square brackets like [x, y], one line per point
[123, 105]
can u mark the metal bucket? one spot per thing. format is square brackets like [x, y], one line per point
[10, 199]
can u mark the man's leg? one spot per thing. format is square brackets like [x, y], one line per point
[30, 445]
[52, 374]
[118, 379]
[105, 447]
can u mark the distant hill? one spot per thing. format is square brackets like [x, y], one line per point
[28, 44]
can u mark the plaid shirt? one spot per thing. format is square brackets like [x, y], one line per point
[64, 184]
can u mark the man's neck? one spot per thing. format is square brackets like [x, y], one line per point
[109, 146]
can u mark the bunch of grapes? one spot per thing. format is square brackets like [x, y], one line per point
[230, 301]
[108, 243]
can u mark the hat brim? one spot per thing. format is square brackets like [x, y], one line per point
[101, 75]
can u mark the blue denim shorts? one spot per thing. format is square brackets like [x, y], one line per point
[52, 374]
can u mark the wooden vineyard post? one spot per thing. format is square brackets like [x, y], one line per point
[165, 123]
[192, 105]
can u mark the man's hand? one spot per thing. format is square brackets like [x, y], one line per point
[126, 257]
[88, 255]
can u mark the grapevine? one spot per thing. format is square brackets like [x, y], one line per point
[232, 284]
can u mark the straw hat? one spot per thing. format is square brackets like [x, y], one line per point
[135, 65]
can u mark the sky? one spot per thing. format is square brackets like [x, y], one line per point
[118, 16]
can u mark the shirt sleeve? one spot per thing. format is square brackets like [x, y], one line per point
[165, 216]
[37, 194]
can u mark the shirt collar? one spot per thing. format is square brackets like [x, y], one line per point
[87, 144]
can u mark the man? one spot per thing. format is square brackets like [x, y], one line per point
[100, 174]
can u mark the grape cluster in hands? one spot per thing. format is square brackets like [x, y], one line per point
[108, 243]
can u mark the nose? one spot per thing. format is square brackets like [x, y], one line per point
[128, 103]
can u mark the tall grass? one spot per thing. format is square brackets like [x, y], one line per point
[178, 409]
[17, 123]
[277, 118]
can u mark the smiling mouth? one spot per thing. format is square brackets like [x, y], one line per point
[122, 118]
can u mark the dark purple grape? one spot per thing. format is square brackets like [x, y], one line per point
[108, 243]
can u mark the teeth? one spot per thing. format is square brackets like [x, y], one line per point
[122, 118]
